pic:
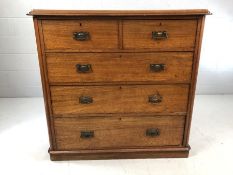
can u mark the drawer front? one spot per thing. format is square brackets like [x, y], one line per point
[80, 35]
[119, 67]
[159, 34]
[118, 132]
[74, 100]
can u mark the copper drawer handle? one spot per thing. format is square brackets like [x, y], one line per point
[86, 134]
[152, 132]
[85, 100]
[84, 68]
[157, 35]
[157, 67]
[155, 98]
[81, 36]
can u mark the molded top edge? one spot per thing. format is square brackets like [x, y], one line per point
[43, 12]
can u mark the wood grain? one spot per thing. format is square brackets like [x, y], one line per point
[58, 34]
[118, 132]
[113, 13]
[119, 67]
[120, 51]
[201, 22]
[44, 81]
[118, 99]
[137, 34]
[164, 152]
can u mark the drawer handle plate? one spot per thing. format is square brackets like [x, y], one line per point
[85, 100]
[84, 68]
[158, 35]
[152, 132]
[155, 98]
[81, 36]
[157, 67]
[87, 134]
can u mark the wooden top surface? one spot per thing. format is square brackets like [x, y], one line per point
[42, 12]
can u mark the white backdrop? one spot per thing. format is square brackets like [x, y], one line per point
[19, 70]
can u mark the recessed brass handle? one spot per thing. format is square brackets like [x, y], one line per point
[155, 98]
[84, 68]
[85, 100]
[81, 36]
[157, 35]
[157, 67]
[86, 134]
[152, 132]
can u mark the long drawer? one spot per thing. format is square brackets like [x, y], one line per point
[75, 100]
[118, 132]
[119, 67]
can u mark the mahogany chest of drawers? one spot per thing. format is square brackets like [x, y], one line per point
[118, 84]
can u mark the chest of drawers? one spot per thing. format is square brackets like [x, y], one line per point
[118, 84]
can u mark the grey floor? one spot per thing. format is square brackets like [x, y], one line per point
[24, 143]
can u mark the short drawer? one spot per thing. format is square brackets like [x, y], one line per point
[118, 132]
[159, 34]
[119, 67]
[80, 35]
[83, 100]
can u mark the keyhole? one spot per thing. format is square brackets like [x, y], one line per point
[160, 24]
[80, 24]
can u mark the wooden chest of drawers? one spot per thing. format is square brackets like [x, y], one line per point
[118, 84]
